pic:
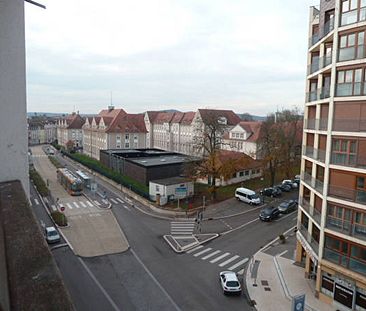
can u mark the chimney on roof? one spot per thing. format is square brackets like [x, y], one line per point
[110, 108]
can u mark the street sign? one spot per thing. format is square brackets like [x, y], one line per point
[62, 208]
[181, 192]
[298, 303]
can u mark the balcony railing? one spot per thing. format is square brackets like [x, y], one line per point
[319, 63]
[349, 125]
[350, 89]
[346, 227]
[316, 124]
[321, 93]
[351, 53]
[348, 262]
[316, 154]
[314, 244]
[312, 182]
[305, 203]
[317, 215]
[349, 18]
[327, 28]
[350, 160]
[357, 196]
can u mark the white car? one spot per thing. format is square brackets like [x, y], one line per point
[52, 235]
[293, 185]
[229, 282]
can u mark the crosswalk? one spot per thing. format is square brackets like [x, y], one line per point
[227, 260]
[182, 228]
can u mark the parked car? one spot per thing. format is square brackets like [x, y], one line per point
[229, 282]
[297, 181]
[247, 196]
[289, 182]
[284, 187]
[269, 213]
[52, 235]
[287, 206]
[271, 192]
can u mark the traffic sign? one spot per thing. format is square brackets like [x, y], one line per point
[62, 208]
[298, 303]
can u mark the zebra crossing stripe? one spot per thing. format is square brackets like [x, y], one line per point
[114, 201]
[97, 203]
[194, 249]
[118, 199]
[105, 201]
[82, 204]
[89, 203]
[77, 206]
[69, 205]
[36, 201]
[241, 262]
[220, 257]
[228, 261]
[210, 255]
[126, 207]
[202, 252]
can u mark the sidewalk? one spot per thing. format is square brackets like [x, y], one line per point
[278, 280]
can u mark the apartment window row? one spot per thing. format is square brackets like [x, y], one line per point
[353, 11]
[344, 151]
[351, 46]
[345, 253]
[351, 82]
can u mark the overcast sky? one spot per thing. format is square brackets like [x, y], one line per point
[248, 56]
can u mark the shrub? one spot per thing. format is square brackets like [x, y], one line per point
[55, 162]
[59, 218]
[38, 182]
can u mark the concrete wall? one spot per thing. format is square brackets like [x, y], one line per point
[13, 120]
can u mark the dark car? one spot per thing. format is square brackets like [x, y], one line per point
[287, 206]
[271, 192]
[284, 187]
[269, 213]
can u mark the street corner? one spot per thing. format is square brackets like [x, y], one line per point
[182, 244]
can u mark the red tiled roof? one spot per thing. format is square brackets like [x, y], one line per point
[177, 117]
[188, 117]
[164, 117]
[252, 127]
[207, 114]
[152, 115]
[74, 121]
[243, 161]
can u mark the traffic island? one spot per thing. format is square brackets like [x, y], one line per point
[182, 244]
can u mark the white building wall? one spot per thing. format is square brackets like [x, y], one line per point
[13, 119]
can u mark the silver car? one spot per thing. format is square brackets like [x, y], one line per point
[52, 235]
[229, 282]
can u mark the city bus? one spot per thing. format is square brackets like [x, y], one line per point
[84, 178]
[72, 184]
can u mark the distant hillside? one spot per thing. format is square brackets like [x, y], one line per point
[249, 117]
[46, 114]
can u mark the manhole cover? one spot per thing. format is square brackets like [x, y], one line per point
[264, 283]
[267, 289]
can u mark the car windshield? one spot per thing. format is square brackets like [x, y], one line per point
[267, 211]
[232, 284]
[284, 204]
[52, 233]
[253, 196]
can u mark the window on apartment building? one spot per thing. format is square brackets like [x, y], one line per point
[360, 189]
[242, 135]
[118, 141]
[127, 137]
[351, 46]
[241, 174]
[246, 173]
[127, 145]
[353, 11]
[344, 151]
[349, 82]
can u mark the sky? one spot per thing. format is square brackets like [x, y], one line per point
[139, 55]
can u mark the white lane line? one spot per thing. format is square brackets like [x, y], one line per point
[240, 272]
[89, 203]
[241, 262]
[202, 252]
[45, 199]
[114, 201]
[35, 200]
[105, 201]
[69, 205]
[118, 199]
[97, 203]
[220, 257]
[82, 204]
[194, 249]
[77, 205]
[210, 255]
[126, 207]
[228, 261]
[283, 253]
[128, 200]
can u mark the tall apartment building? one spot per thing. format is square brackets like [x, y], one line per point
[331, 236]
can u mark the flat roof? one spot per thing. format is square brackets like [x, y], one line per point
[171, 180]
[159, 161]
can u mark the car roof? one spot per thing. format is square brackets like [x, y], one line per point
[50, 229]
[230, 276]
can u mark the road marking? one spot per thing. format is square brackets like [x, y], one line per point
[69, 205]
[118, 199]
[105, 201]
[128, 200]
[126, 207]
[240, 272]
[35, 200]
[241, 262]
[96, 202]
[77, 205]
[228, 261]
[45, 199]
[53, 207]
[89, 203]
[210, 255]
[283, 253]
[194, 249]
[220, 257]
[82, 204]
[202, 252]
[114, 201]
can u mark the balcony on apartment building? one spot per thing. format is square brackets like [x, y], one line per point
[317, 36]
[322, 93]
[352, 195]
[312, 181]
[314, 153]
[309, 238]
[351, 53]
[305, 204]
[346, 227]
[351, 160]
[316, 124]
[349, 125]
[350, 89]
[319, 63]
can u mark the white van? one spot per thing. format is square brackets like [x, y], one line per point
[247, 196]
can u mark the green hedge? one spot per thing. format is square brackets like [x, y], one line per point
[95, 165]
[55, 162]
[38, 182]
[59, 218]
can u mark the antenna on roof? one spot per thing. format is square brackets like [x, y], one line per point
[111, 107]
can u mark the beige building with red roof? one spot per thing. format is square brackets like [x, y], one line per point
[70, 129]
[113, 129]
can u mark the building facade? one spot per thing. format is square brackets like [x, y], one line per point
[41, 132]
[113, 129]
[69, 129]
[331, 236]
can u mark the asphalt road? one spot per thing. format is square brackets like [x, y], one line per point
[150, 275]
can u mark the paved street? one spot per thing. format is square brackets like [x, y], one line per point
[150, 268]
